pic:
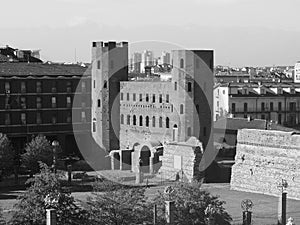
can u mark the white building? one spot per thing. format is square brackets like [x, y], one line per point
[147, 60]
[297, 72]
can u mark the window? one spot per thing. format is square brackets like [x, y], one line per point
[69, 86]
[38, 102]
[127, 96]
[7, 118]
[122, 96]
[181, 109]
[128, 119]
[83, 116]
[153, 98]
[53, 89]
[134, 120]
[147, 97]
[94, 125]
[189, 131]
[7, 87]
[99, 103]
[122, 119]
[69, 119]
[167, 98]
[134, 97]
[263, 116]
[23, 118]
[83, 86]
[141, 97]
[175, 86]
[245, 107]
[271, 106]
[23, 87]
[233, 107]
[279, 118]
[38, 118]
[147, 121]
[189, 86]
[105, 84]
[167, 122]
[181, 63]
[23, 102]
[160, 121]
[53, 119]
[262, 106]
[53, 100]
[94, 84]
[98, 64]
[141, 120]
[279, 106]
[38, 86]
[160, 98]
[69, 103]
[153, 121]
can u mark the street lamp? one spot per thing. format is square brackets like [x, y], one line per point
[55, 145]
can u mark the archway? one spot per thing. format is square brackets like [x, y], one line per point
[145, 159]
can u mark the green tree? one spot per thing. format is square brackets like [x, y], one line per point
[31, 207]
[6, 156]
[191, 204]
[119, 207]
[2, 220]
[38, 149]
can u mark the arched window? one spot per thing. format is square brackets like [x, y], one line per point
[153, 121]
[128, 119]
[175, 86]
[141, 120]
[147, 121]
[122, 119]
[181, 109]
[181, 63]
[134, 120]
[153, 98]
[94, 124]
[160, 122]
[167, 122]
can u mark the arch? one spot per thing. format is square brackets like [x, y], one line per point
[134, 120]
[175, 132]
[167, 122]
[153, 121]
[147, 121]
[141, 120]
[144, 158]
[181, 63]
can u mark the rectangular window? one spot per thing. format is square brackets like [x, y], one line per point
[7, 86]
[245, 107]
[233, 107]
[98, 64]
[69, 118]
[141, 97]
[38, 86]
[7, 118]
[54, 119]
[53, 101]
[38, 102]
[279, 118]
[128, 97]
[122, 96]
[99, 103]
[69, 86]
[153, 98]
[271, 106]
[53, 89]
[23, 87]
[147, 97]
[263, 116]
[83, 116]
[94, 126]
[23, 118]
[69, 103]
[262, 106]
[190, 86]
[279, 106]
[167, 98]
[38, 118]
[175, 86]
[160, 98]
[23, 103]
[134, 97]
[94, 84]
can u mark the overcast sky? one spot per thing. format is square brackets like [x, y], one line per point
[242, 32]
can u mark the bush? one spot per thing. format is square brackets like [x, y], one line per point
[39, 149]
[7, 155]
[122, 206]
[31, 207]
[191, 204]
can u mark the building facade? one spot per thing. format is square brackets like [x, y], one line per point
[38, 98]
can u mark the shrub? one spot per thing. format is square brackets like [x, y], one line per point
[6, 156]
[31, 207]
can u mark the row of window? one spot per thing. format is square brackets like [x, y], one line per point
[39, 118]
[292, 106]
[39, 86]
[133, 121]
[146, 97]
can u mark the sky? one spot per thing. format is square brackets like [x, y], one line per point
[241, 32]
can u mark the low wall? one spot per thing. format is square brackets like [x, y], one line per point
[263, 158]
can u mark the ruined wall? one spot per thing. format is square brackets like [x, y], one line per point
[263, 159]
[182, 158]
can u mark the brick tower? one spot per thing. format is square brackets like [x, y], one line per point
[109, 67]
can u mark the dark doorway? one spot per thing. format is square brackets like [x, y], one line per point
[145, 157]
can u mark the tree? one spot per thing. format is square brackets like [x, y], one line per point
[31, 207]
[115, 207]
[7, 155]
[2, 220]
[193, 205]
[38, 149]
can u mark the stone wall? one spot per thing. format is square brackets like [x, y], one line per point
[263, 159]
[182, 158]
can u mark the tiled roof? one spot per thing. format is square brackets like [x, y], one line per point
[41, 69]
[239, 123]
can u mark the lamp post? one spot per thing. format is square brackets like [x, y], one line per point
[55, 145]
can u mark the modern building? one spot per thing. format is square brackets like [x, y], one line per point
[165, 58]
[147, 60]
[135, 63]
[39, 98]
[276, 102]
[127, 114]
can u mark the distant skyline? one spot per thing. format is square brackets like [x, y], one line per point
[241, 32]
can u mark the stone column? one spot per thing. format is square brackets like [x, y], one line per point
[138, 176]
[170, 207]
[151, 165]
[51, 217]
[282, 209]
